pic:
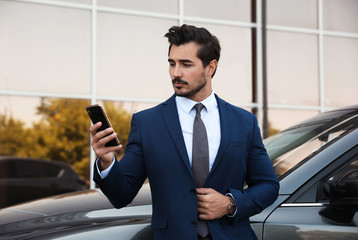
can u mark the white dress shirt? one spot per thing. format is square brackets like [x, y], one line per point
[211, 119]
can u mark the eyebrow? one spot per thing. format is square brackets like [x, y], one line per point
[181, 60]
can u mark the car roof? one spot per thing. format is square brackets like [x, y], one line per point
[327, 116]
[14, 158]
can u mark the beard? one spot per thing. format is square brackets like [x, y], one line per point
[189, 93]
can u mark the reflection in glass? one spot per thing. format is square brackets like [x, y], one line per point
[292, 73]
[293, 13]
[340, 71]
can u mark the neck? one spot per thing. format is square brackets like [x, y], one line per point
[201, 96]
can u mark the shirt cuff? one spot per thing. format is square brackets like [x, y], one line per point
[233, 215]
[105, 172]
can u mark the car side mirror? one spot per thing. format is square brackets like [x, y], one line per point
[343, 195]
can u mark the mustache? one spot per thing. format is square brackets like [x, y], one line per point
[178, 80]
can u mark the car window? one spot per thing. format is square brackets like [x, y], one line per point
[34, 169]
[289, 148]
[7, 169]
[317, 188]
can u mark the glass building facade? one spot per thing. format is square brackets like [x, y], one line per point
[285, 60]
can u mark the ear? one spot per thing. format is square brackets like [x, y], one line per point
[210, 69]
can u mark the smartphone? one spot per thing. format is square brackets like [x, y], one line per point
[97, 114]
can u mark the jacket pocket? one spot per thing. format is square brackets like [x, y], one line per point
[159, 223]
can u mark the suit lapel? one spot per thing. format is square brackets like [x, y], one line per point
[171, 119]
[225, 126]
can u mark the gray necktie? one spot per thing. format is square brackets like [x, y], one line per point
[200, 159]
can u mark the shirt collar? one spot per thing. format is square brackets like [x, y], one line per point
[187, 104]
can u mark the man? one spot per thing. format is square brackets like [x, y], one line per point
[197, 174]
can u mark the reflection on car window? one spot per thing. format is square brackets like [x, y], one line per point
[348, 171]
[32, 169]
[19, 168]
[289, 148]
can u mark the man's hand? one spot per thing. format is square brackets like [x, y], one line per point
[99, 139]
[212, 204]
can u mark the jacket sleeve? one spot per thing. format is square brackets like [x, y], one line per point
[126, 176]
[262, 184]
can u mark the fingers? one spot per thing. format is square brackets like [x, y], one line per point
[204, 191]
[211, 204]
[99, 139]
[204, 203]
[98, 135]
[94, 127]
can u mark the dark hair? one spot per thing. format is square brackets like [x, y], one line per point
[209, 46]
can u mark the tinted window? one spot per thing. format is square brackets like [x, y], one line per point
[34, 169]
[8, 169]
[289, 148]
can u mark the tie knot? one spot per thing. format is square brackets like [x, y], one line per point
[198, 107]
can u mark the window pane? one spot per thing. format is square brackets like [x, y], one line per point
[340, 71]
[292, 68]
[236, 10]
[162, 6]
[302, 13]
[232, 80]
[340, 15]
[133, 57]
[44, 48]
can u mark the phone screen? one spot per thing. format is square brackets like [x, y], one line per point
[97, 114]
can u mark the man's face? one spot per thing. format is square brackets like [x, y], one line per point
[189, 77]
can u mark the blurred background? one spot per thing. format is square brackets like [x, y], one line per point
[284, 60]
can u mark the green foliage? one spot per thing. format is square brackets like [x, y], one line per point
[120, 121]
[66, 137]
[62, 133]
[11, 135]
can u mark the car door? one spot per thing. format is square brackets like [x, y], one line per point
[300, 216]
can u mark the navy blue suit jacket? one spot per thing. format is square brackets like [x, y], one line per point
[156, 150]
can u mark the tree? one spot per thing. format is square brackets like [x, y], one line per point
[66, 137]
[62, 133]
[12, 134]
[67, 126]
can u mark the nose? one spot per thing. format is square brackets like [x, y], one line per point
[177, 73]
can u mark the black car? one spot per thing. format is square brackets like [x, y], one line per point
[24, 179]
[316, 163]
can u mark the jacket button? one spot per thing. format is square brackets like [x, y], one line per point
[193, 223]
[193, 190]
